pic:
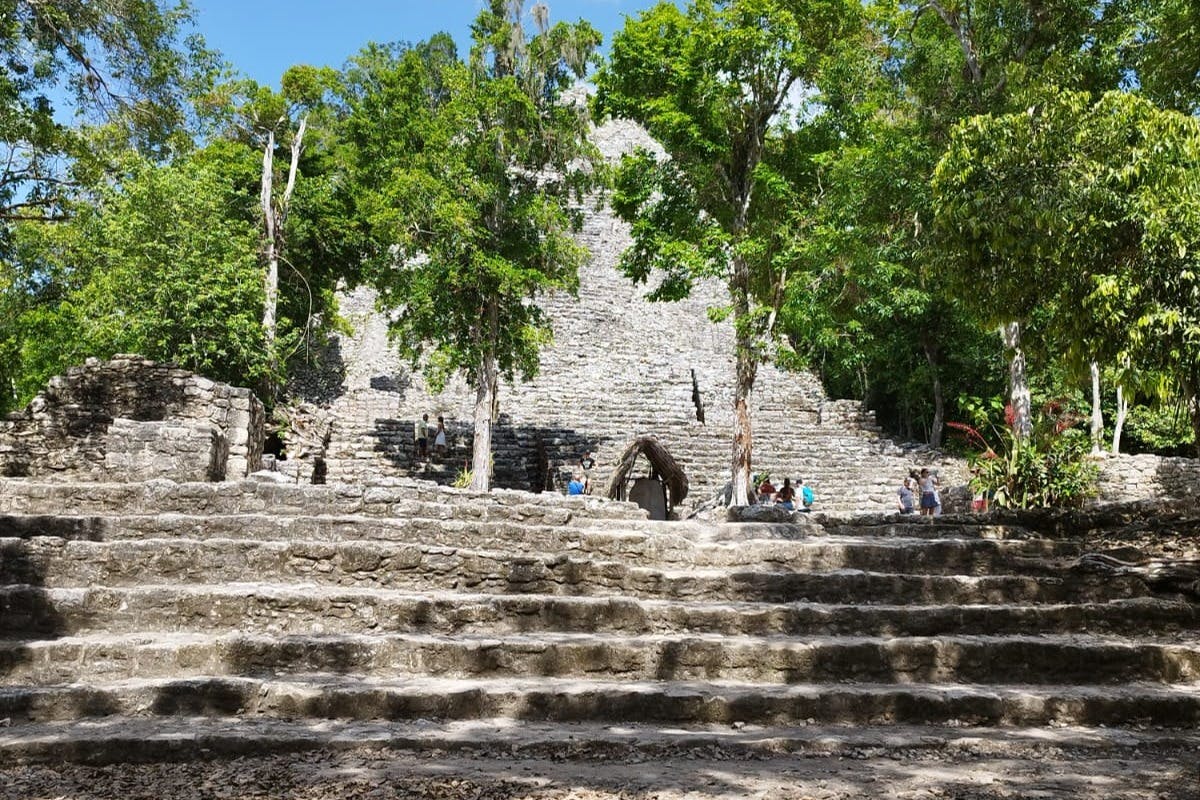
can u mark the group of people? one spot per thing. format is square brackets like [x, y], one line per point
[791, 498]
[422, 435]
[920, 490]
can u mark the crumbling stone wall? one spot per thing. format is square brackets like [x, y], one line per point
[132, 419]
[1147, 477]
[185, 451]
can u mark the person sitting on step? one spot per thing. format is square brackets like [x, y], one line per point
[575, 486]
[586, 464]
[786, 496]
[766, 491]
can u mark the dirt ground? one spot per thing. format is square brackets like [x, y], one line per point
[1160, 774]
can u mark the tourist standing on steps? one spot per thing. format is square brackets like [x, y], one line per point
[439, 441]
[807, 498]
[786, 496]
[928, 486]
[905, 502]
[422, 432]
[586, 464]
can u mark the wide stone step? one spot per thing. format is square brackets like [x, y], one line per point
[57, 563]
[960, 660]
[34, 611]
[101, 741]
[396, 499]
[564, 700]
[804, 549]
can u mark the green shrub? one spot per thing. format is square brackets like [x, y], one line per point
[1051, 468]
[1164, 431]
[463, 479]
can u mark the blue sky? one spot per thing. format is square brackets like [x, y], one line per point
[262, 38]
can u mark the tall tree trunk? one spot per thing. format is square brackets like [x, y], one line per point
[481, 451]
[1195, 408]
[486, 380]
[1097, 414]
[1018, 381]
[742, 435]
[939, 400]
[747, 369]
[1122, 412]
[270, 251]
[274, 217]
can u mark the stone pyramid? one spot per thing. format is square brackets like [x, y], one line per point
[620, 366]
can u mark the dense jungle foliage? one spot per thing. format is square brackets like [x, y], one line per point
[937, 206]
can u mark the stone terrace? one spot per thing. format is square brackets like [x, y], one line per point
[186, 619]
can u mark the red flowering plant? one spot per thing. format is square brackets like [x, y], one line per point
[1049, 468]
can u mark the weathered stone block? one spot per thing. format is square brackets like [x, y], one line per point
[139, 451]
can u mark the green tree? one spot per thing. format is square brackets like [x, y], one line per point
[121, 63]
[1164, 51]
[1091, 210]
[82, 81]
[864, 310]
[940, 63]
[282, 123]
[468, 175]
[156, 264]
[721, 86]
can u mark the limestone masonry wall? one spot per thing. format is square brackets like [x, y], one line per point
[1147, 477]
[133, 419]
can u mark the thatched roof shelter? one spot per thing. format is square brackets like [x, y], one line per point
[661, 462]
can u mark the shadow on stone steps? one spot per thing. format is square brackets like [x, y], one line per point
[26, 609]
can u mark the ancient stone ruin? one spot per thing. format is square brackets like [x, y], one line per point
[131, 419]
[160, 620]
[622, 367]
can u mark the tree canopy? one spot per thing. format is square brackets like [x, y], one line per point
[127, 65]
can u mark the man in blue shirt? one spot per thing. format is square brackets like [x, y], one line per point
[575, 486]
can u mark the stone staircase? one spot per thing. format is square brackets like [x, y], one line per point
[248, 617]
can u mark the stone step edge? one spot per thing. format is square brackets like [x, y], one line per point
[166, 739]
[369, 493]
[176, 639]
[880, 529]
[326, 683]
[688, 532]
[552, 699]
[650, 550]
[574, 557]
[301, 590]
